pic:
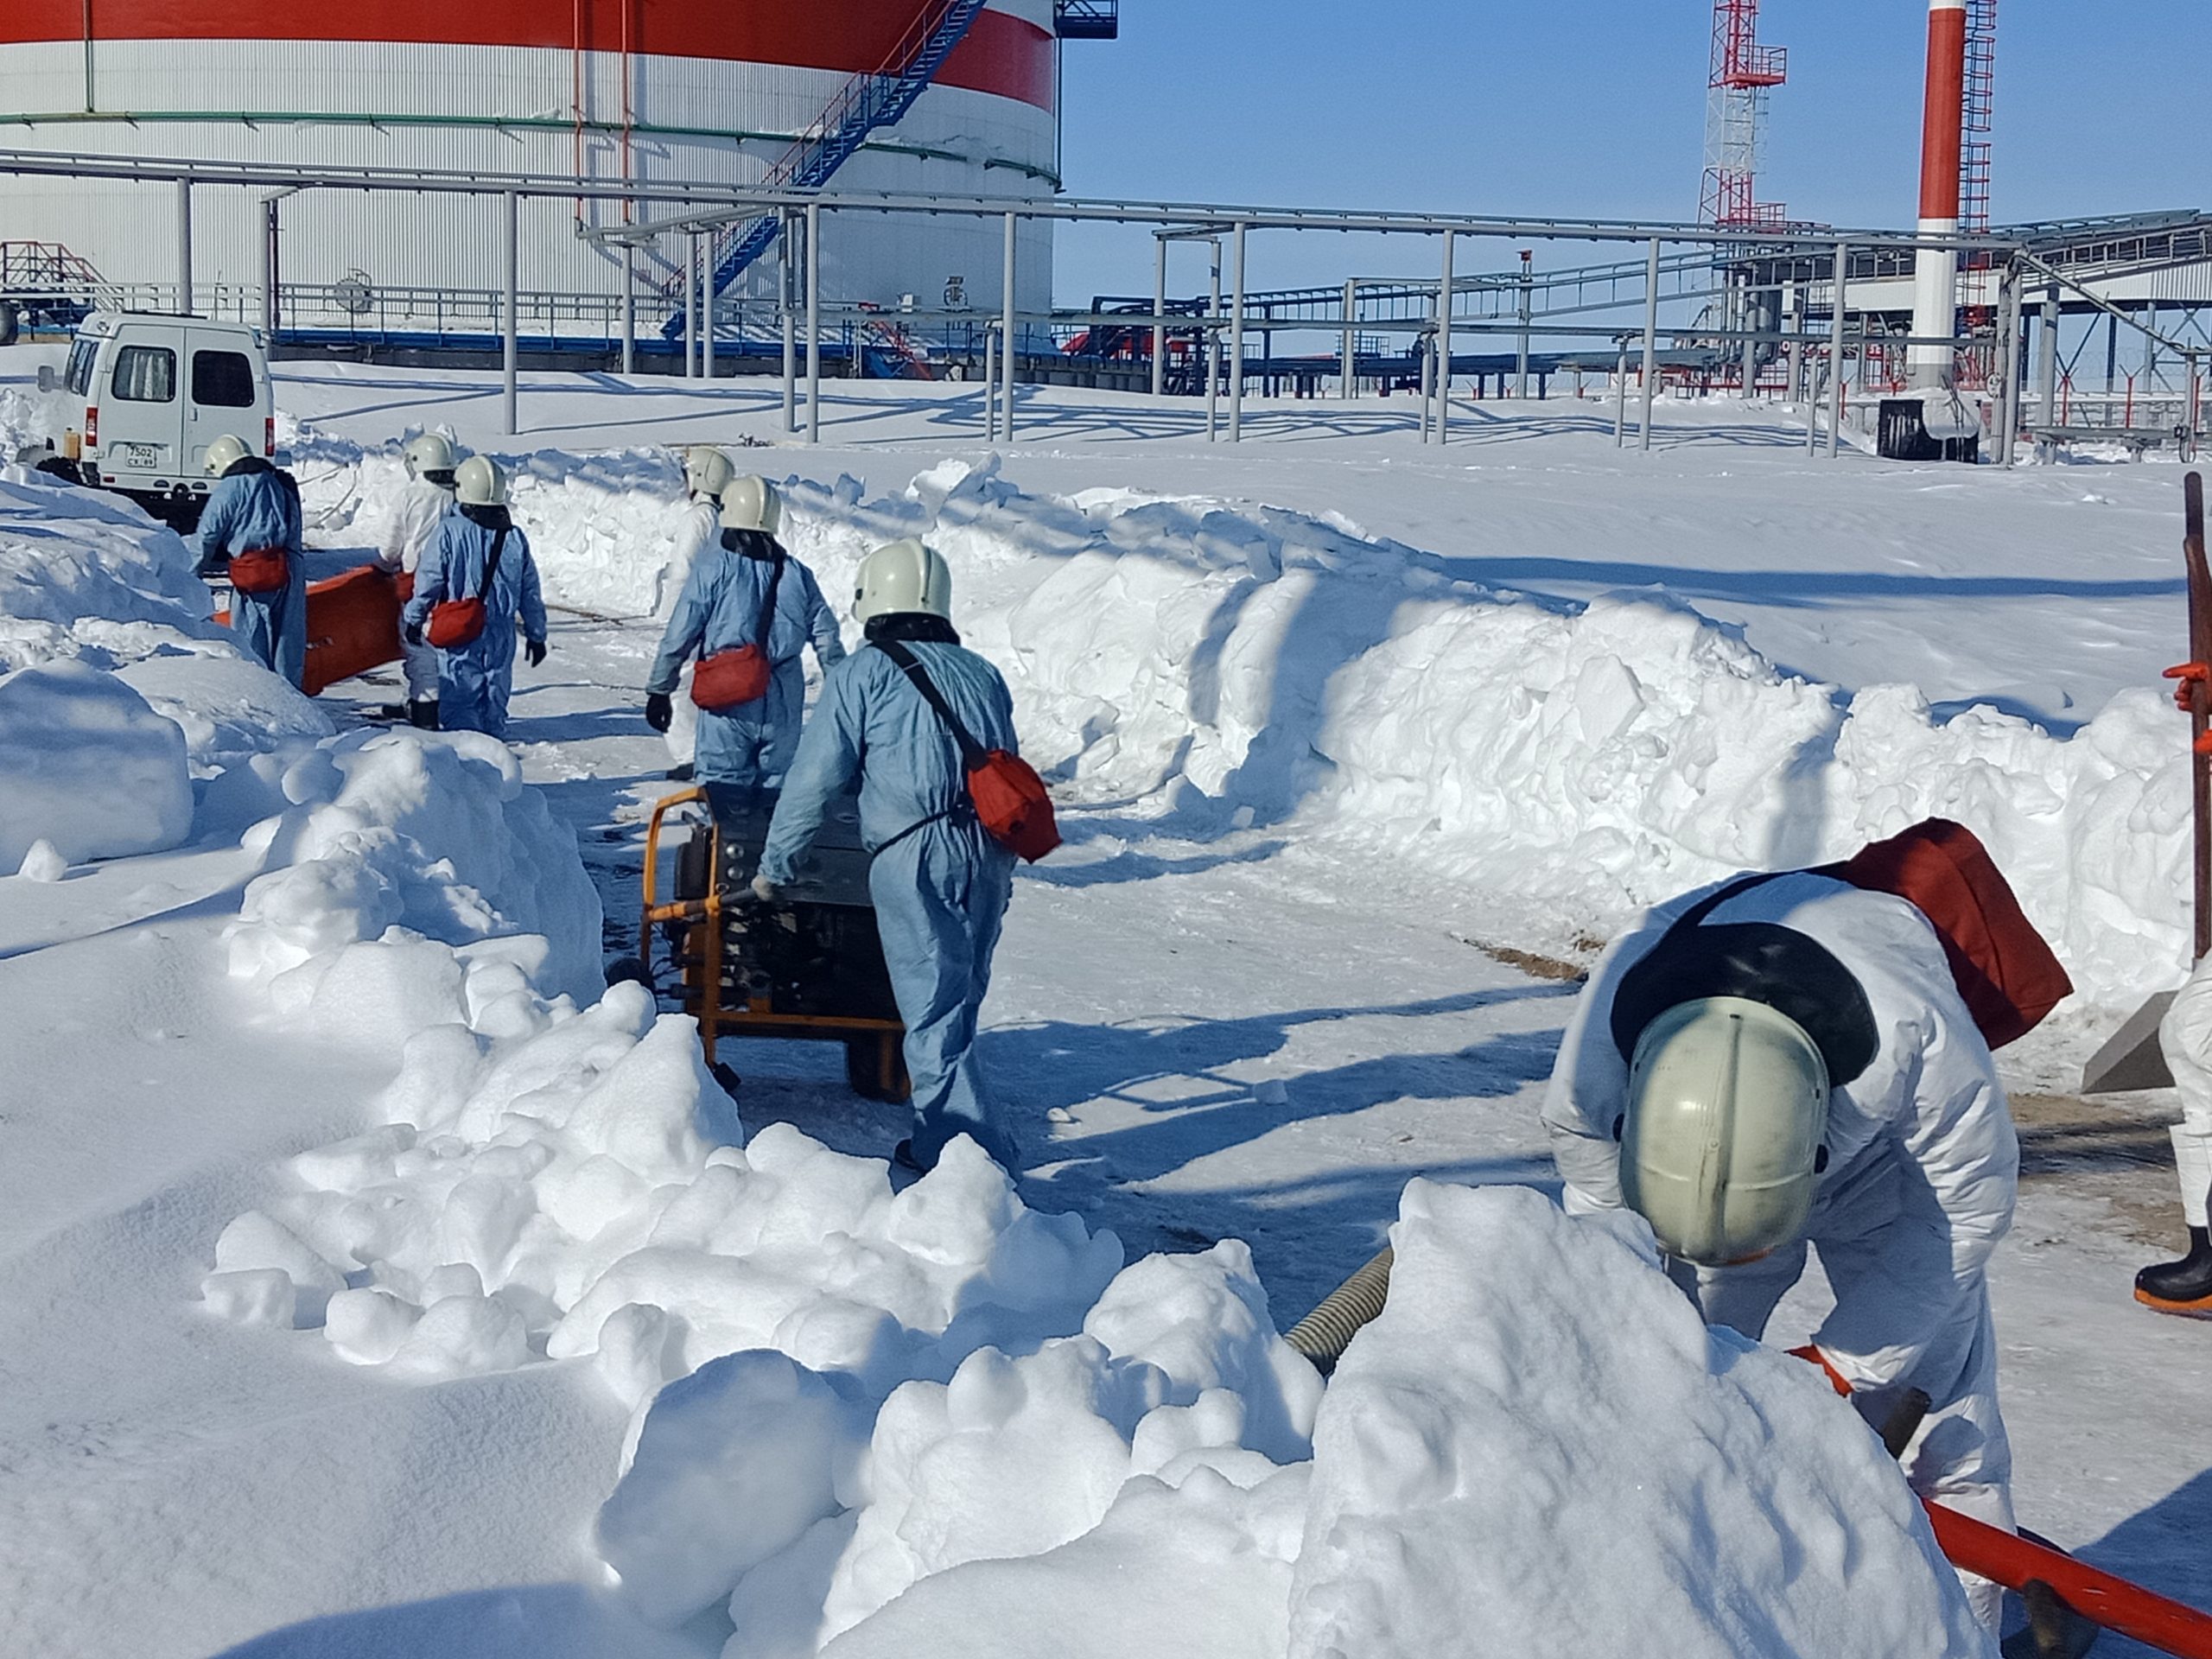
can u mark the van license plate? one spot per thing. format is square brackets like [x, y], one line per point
[143, 457]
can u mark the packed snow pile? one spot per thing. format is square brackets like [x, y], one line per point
[407, 882]
[1539, 1447]
[86, 767]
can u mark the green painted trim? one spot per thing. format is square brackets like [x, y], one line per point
[495, 122]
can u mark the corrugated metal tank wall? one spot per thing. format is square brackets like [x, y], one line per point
[474, 107]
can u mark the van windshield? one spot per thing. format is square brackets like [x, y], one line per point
[82, 356]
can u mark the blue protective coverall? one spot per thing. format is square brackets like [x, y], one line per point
[719, 609]
[474, 682]
[252, 506]
[940, 892]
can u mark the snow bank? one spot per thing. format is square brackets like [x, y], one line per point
[1541, 1448]
[87, 768]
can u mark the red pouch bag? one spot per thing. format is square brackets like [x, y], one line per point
[457, 624]
[730, 679]
[260, 570]
[1009, 797]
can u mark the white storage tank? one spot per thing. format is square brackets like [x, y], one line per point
[648, 90]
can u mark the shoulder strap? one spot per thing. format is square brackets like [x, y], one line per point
[492, 565]
[1695, 915]
[768, 606]
[971, 752]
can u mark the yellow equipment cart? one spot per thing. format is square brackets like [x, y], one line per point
[808, 965]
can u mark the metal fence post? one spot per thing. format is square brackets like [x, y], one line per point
[813, 322]
[511, 274]
[1650, 340]
[1835, 348]
[1237, 338]
[1444, 347]
[1012, 328]
[1158, 311]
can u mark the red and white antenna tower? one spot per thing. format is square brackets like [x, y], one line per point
[1735, 115]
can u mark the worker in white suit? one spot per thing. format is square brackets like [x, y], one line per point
[707, 473]
[428, 497]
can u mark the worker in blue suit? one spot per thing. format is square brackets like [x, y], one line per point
[479, 552]
[251, 527]
[747, 746]
[940, 882]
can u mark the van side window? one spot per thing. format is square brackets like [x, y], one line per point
[222, 380]
[82, 356]
[143, 374]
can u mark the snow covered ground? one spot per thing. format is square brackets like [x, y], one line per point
[1346, 756]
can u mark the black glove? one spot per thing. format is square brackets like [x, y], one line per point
[412, 633]
[660, 713]
[216, 569]
[533, 652]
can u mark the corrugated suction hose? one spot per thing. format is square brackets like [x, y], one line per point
[1323, 1335]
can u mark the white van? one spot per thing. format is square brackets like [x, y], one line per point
[150, 393]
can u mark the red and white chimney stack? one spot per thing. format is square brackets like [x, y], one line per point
[1936, 275]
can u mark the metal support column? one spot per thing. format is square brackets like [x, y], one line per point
[510, 278]
[1158, 310]
[691, 302]
[787, 313]
[706, 312]
[269, 268]
[2005, 415]
[1427, 347]
[2048, 411]
[1444, 347]
[1011, 326]
[1793, 319]
[1620, 399]
[1835, 348]
[813, 322]
[629, 310]
[184, 246]
[991, 381]
[1527, 306]
[1349, 359]
[1650, 342]
[1213, 345]
[1236, 337]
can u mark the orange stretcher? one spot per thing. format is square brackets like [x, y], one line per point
[353, 624]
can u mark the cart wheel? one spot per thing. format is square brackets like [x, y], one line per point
[629, 970]
[866, 1067]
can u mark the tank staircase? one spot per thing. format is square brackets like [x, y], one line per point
[866, 103]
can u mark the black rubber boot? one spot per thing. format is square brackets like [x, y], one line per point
[425, 714]
[2182, 1286]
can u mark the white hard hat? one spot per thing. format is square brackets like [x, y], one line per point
[902, 577]
[751, 504]
[430, 453]
[478, 482]
[707, 471]
[1727, 1102]
[226, 453]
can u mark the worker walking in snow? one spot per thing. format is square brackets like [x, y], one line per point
[475, 582]
[428, 497]
[940, 882]
[253, 533]
[2185, 1037]
[707, 472]
[1804, 1057]
[747, 609]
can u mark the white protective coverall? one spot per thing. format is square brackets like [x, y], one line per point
[1923, 1166]
[2185, 1038]
[700, 528]
[406, 538]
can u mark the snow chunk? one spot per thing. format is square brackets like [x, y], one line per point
[261, 1296]
[256, 1241]
[85, 766]
[42, 862]
[1539, 1441]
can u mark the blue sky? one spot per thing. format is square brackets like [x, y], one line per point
[1597, 107]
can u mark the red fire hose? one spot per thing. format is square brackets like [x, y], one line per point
[2015, 1563]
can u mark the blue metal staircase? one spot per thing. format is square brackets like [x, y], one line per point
[864, 103]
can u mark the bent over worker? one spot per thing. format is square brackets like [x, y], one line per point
[940, 881]
[478, 553]
[1790, 1059]
[732, 587]
[253, 530]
